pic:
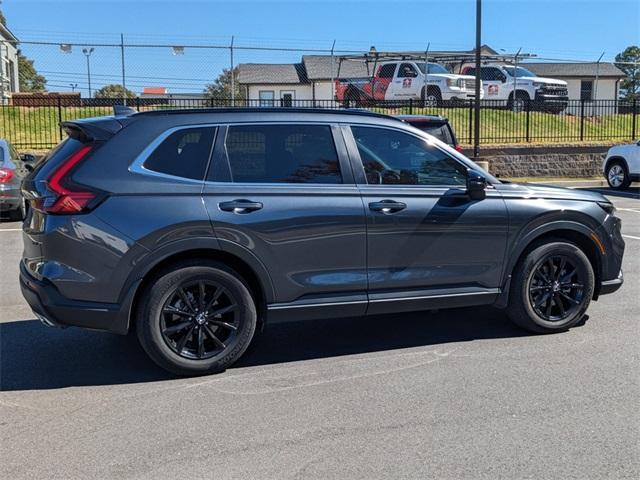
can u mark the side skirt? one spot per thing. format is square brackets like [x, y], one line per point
[379, 303]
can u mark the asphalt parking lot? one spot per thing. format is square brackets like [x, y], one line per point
[458, 394]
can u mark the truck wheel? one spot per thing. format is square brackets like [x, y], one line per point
[520, 102]
[433, 97]
[352, 99]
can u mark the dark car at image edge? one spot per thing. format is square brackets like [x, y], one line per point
[195, 228]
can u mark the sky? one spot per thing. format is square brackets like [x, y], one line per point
[554, 29]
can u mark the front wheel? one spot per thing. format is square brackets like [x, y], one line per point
[196, 318]
[617, 176]
[551, 288]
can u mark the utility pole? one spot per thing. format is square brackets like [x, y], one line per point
[476, 119]
[87, 53]
[333, 80]
[595, 89]
[426, 75]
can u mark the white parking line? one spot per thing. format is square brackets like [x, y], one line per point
[10, 229]
[631, 237]
[634, 210]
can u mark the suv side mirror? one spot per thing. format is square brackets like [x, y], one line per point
[476, 185]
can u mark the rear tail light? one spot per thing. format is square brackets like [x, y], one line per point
[69, 198]
[6, 175]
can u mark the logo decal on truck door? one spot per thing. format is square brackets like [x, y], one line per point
[406, 83]
[493, 89]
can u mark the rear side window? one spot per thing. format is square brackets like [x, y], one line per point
[387, 71]
[441, 132]
[282, 154]
[185, 153]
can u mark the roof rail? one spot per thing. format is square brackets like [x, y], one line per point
[332, 111]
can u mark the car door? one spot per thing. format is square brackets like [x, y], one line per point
[493, 83]
[282, 195]
[404, 83]
[427, 241]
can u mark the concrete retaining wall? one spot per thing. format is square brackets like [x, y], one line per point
[558, 161]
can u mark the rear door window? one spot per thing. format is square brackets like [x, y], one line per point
[282, 154]
[441, 132]
[184, 153]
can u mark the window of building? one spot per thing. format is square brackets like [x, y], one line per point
[586, 89]
[266, 98]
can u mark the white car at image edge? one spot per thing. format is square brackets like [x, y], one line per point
[621, 165]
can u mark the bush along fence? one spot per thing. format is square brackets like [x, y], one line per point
[37, 125]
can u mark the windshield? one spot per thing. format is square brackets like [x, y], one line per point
[520, 72]
[433, 68]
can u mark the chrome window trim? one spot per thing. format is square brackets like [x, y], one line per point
[137, 166]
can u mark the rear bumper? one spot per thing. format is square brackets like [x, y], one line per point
[53, 309]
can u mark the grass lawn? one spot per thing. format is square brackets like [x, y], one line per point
[37, 127]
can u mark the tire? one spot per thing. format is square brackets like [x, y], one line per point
[433, 97]
[352, 99]
[162, 333]
[529, 288]
[617, 175]
[520, 102]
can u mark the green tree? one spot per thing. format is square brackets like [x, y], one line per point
[29, 78]
[114, 91]
[629, 62]
[221, 87]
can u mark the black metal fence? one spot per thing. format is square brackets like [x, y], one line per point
[38, 127]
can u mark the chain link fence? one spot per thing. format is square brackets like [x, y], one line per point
[86, 79]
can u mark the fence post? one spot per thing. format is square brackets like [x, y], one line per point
[470, 122]
[60, 117]
[411, 106]
[138, 103]
[634, 115]
[527, 111]
[581, 119]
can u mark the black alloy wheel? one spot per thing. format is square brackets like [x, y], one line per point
[199, 319]
[555, 288]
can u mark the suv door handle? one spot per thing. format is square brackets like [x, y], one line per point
[240, 206]
[387, 206]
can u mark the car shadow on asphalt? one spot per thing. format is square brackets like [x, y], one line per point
[33, 357]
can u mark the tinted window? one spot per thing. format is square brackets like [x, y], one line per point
[397, 158]
[387, 71]
[407, 71]
[441, 132]
[491, 74]
[282, 153]
[184, 153]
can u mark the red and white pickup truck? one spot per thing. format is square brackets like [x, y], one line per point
[407, 80]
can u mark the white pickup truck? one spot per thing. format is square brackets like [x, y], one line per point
[407, 80]
[521, 88]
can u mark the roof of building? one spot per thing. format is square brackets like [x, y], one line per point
[154, 90]
[574, 69]
[271, 73]
[7, 34]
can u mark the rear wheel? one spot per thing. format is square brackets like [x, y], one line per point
[433, 97]
[196, 318]
[551, 289]
[617, 175]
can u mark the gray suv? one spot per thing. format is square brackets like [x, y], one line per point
[195, 228]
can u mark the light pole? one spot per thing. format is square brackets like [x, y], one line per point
[476, 117]
[73, 86]
[87, 53]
